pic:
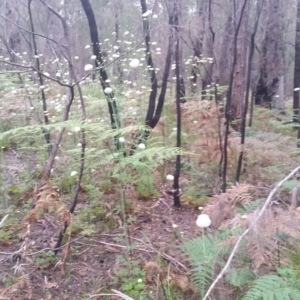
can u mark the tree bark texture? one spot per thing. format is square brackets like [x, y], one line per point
[296, 97]
[272, 58]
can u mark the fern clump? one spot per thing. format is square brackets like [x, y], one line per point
[206, 255]
[275, 287]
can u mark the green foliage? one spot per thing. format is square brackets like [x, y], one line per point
[145, 186]
[45, 259]
[132, 279]
[251, 206]
[284, 286]
[240, 277]
[205, 253]
[66, 183]
[290, 184]
[9, 230]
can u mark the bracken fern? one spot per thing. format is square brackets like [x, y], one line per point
[284, 286]
[205, 254]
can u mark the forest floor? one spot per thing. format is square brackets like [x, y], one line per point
[94, 262]
[97, 259]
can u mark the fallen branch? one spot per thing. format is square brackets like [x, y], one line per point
[116, 293]
[4, 218]
[235, 248]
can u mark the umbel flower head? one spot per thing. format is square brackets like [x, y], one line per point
[73, 173]
[203, 221]
[170, 177]
[108, 90]
[88, 67]
[134, 63]
[141, 146]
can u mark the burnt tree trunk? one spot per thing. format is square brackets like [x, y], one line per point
[238, 88]
[296, 97]
[177, 191]
[155, 106]
[272, 59]
[112, 105]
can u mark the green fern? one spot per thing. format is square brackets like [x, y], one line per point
[249, 207]
[273, 287]
[240, 277]
[205, 254]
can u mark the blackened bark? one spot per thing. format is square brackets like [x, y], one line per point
[296, 97]
[177, 191]
[272, 58]
[154, 111]
[182, 90]
[150, 64]
[112, 105]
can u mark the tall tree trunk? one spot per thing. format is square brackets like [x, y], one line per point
[259, 6]
[238, 88]
[296, 97]
[155, 109]
[177, 191]
[226, 56]
[228, 111]
[272, 58]
[112, 105]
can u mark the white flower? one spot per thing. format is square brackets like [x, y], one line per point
[147, 13]
[107, 80]
[203, 221]
[46, 74]
[142, 146]
[42, 87]
[140, 280]
[134, 63]
[121, 140]
[77, 129]
[88, 67]
[108, 90]
[155, 16]
[76, 57]
[87, 47]
[170, 177]
[297, 89]
[174, 225]
[73, 173]
[93, 57]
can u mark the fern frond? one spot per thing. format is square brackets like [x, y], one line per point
[240, 277]
[272, 287]
[204, 254]
[250, 207]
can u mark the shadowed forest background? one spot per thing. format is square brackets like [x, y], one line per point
[149, 149]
